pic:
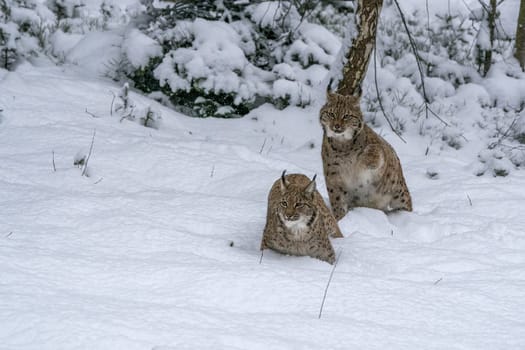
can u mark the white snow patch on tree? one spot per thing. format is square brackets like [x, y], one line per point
[139, 48]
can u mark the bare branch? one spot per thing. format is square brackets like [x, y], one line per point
[262, 147]
[54, 166]
[84, 171]
[418, 62]
[435, 114]
[381, 101]
[91, 114]
[112, 101]
[505, 134]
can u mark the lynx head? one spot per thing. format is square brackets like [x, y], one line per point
[296, 208]
[341, 117]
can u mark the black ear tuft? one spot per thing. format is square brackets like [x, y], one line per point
[284, 183]
[329, 86]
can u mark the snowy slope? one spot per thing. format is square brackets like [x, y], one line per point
[158, 248]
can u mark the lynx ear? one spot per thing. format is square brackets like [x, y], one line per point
[310, 189]
[330, 96]
[284, 183]
[353, 99]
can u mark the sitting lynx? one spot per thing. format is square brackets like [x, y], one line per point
[298, 222]
[361, 169]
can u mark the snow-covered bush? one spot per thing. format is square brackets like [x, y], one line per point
[24, 27]
[78, 16]
[233, 57]
[440, 90]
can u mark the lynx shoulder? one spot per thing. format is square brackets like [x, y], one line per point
[298, 222]
[361, 169]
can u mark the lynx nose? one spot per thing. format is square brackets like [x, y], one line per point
[338, 128]
[291, 217]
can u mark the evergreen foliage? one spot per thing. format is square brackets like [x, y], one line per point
[274, 57]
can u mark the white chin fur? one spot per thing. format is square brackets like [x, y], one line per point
[298, 227]
[344, 136]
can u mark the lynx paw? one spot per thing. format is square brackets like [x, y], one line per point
[330, 258]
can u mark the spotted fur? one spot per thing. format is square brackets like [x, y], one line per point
[361, 169]
[298, 222]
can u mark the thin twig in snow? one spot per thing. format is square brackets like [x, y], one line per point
[112, 101]
[98, 180]
[260, 260]
[212, 170]
[262, 147]
[469, 200]
[91, 114]
[439, 280]
[54, 166]
[89, 154]
[9, 234]
[328, 283]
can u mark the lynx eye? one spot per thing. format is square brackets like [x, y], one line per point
[327, 115]
[346, 117]
[284, 204]
[299, 205]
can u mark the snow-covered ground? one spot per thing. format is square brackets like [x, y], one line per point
[159, 247]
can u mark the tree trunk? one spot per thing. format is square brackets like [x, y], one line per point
[358, 55]
[520, 37]
[492, 15]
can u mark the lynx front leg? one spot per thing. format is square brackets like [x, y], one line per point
[266, 238]
[338, 202]
[324, 251]
[264, 245]
[401, 201]
[333, 227]
[336, 232]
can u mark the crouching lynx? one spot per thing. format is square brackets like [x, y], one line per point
[361, 169]
[298, 222]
